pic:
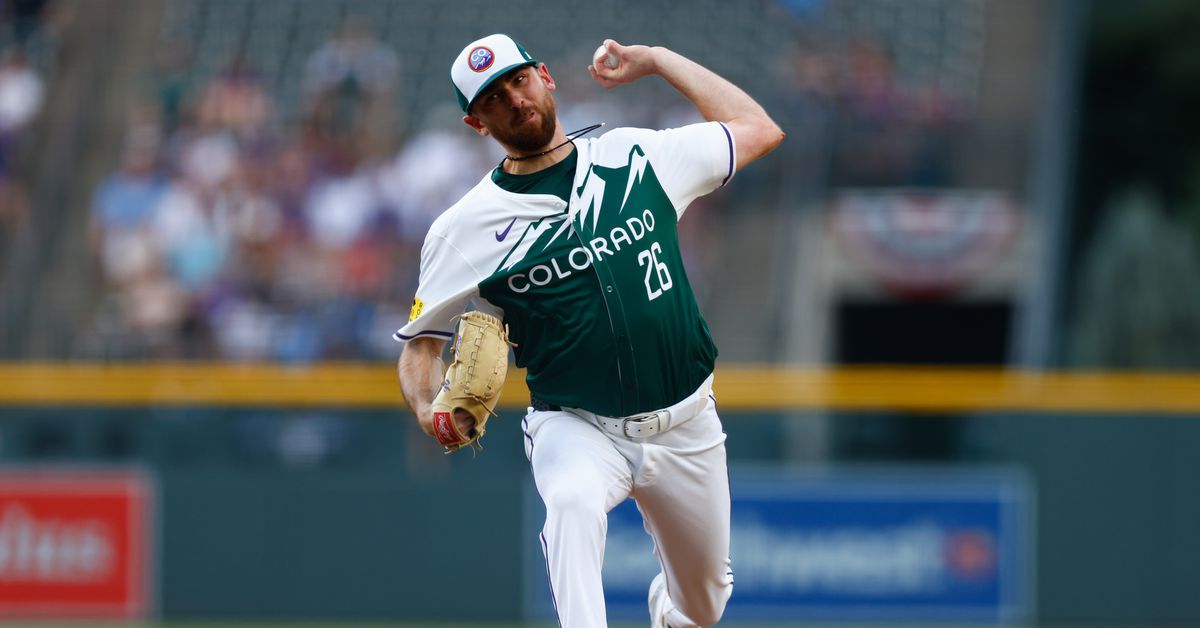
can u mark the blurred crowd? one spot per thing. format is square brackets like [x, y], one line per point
[231, 231]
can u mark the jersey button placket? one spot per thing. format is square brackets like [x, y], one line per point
[625, 357]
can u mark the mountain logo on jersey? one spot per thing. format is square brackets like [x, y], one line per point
[590, 194]
[481, 58]
[556, 247]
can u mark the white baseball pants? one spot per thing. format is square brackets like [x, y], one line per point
[680, 481]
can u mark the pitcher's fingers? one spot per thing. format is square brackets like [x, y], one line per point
[464, 421]
[604, 82]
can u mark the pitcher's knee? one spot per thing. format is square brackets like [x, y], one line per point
[708, 616]
[706, 610]
[573, 505]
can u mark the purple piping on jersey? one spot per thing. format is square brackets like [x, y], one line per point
[553, 597]
[400, 336]
[730, 138]
[525, 431]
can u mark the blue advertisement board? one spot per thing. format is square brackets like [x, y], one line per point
[881, 545]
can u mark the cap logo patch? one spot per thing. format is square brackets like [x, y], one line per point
[481, 58]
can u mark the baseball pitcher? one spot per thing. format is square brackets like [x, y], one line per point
[568, 253]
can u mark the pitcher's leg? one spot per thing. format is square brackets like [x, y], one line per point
[580, 476]
[686, 511]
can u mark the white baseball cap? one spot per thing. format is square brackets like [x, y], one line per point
[481, 62]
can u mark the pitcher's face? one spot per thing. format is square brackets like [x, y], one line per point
[518, 109]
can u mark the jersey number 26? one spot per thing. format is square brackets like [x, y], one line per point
[655, 270]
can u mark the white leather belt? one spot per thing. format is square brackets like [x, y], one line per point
[638, 425]
[648, 424]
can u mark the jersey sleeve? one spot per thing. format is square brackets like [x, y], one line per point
[447, 284]
[692, 161]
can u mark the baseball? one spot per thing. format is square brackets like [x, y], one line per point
[603, 55]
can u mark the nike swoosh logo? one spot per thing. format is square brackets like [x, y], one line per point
[500, 235]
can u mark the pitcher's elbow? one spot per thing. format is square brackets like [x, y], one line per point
[776, 136]
[776, 141]
[769, 139]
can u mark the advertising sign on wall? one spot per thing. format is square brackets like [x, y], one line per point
[74, 544]
[885, 545]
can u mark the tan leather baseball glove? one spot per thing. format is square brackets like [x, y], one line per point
[473, 380]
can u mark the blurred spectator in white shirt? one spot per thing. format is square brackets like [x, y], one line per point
[21, 92]
[193, 230]
[21, 95]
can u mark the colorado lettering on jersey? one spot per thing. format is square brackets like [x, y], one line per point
[580, 257]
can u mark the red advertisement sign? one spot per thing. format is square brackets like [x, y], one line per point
[74, 544]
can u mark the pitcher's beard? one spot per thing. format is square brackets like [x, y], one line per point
[531, 140]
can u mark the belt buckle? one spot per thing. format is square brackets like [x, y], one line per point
[639, 419]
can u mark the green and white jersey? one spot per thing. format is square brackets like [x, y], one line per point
[594, 290]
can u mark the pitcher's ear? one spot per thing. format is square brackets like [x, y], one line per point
[476, 124]
[544, 72]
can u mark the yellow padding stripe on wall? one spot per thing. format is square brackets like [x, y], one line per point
[738, 388]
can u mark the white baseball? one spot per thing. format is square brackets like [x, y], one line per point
[602, 54]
